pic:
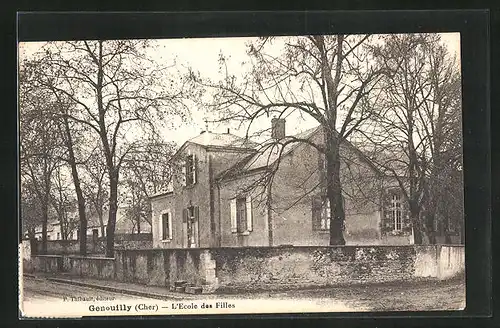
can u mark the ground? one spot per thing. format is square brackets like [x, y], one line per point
[422, 296]
[38, 289]
[415, 296]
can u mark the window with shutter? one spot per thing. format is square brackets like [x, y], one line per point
[190, 169]
[234, 223]
[166, 226]
[191, 218]
[249, 213]
[316, 213]
[241, 214]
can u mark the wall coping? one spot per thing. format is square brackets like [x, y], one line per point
[47, 255]
[89, 257]
[286, 247]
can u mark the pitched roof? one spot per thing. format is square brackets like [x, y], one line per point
[268, 153]
[208, 138]
[265, 155]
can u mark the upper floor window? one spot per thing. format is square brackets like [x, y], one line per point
[241, 214]
[396, 211]
[189, 174]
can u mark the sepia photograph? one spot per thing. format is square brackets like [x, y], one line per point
[241, 175]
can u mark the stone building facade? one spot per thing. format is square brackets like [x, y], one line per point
[222, 197]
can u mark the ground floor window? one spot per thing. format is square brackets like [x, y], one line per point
[396, 211]
[241, 214]
[166, 226]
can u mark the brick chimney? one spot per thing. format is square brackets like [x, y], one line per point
[278, 128]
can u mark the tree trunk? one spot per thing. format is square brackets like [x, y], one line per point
[139, 224]
[113, 208]
[33, 241]
[45, 219]
[334, 190]
[78, 189]
[447, 235]
[429, 225]
[101, 222]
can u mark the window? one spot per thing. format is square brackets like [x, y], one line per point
[241, 215]
[396, 211]
[166, 226]
[190, 170]
[190, 218]
[322, 213]
[58, 236]
[325, 214]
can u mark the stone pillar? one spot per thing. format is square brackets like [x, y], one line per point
[207, 271]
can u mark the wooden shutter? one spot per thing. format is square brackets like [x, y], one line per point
[316, 213]
[184, 215]
[166, 226]
[196, 213]
[234, 223]
[249, 213]
[169, 218]
[195, 168]
[184, 172]
[160, 227]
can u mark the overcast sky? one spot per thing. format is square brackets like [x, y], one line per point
[202, 55]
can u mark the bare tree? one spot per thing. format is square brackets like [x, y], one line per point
[417, 128]
[40, 149]
[45, 78]
[30, 211]
[329, 79]
[63, 202]
[94, 186]
[118, 95]
[147, 171]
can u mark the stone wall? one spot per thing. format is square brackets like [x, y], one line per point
[72, 247]
[266, 268]
[164, 267]
[300, 267]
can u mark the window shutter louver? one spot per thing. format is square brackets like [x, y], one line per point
[196, 213]
[183, 173]
[195, 169]
[169, 218]
[316, 213]
[234, 224]
[249, 213]
[160, 228]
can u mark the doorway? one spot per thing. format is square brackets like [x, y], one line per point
[191, 225]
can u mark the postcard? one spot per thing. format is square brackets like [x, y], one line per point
[241, 175]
